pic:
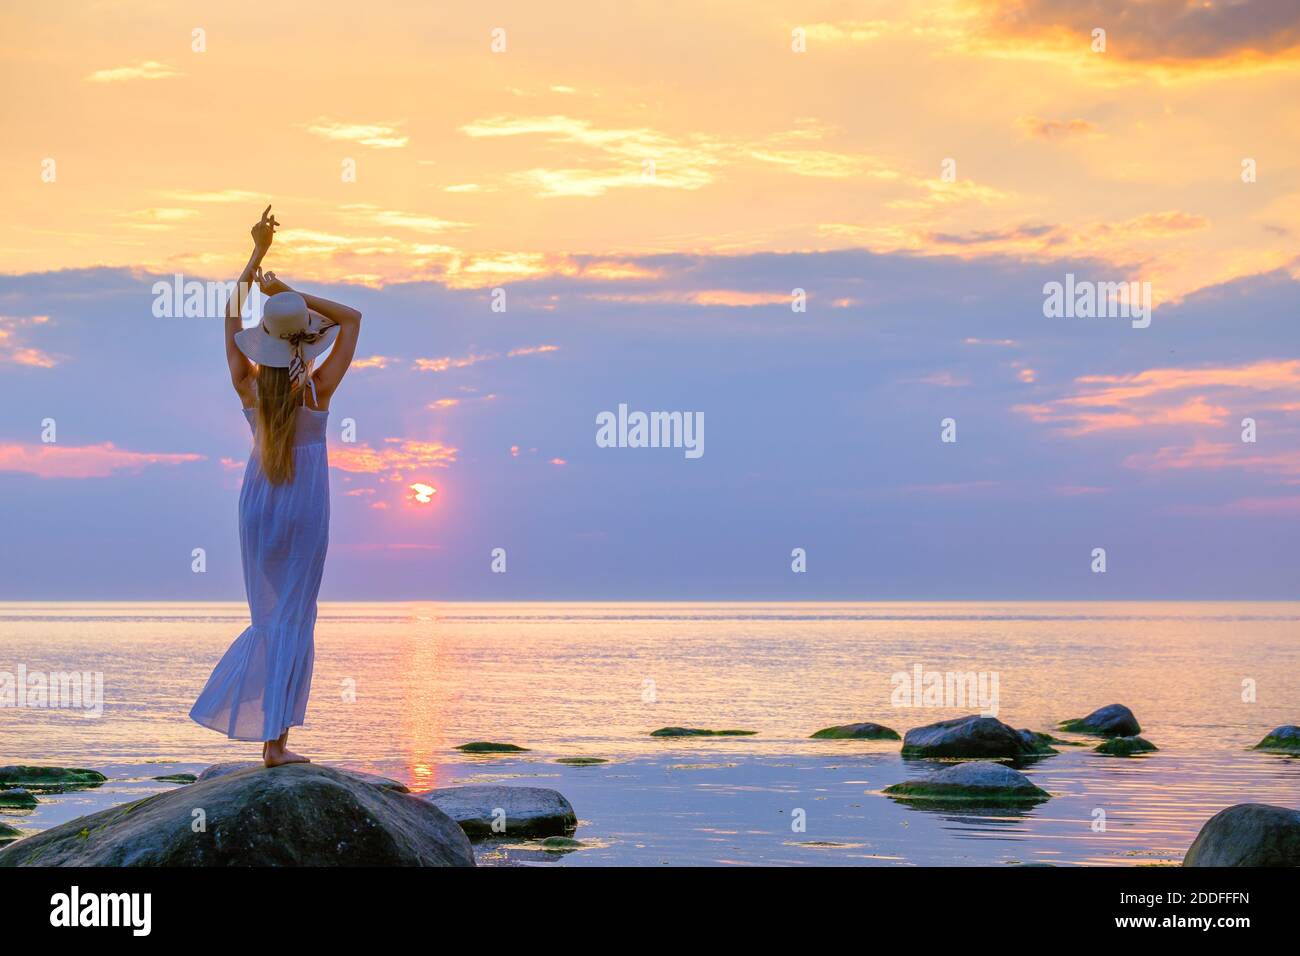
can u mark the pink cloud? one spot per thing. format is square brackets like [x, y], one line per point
[84, 461]
[1216, 456]
[12, 351]
[448, 362]
[1283, 507]
[1158, 397]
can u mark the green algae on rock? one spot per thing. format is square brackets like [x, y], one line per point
[699, 732]
[1284, 739]
[981, 783]
[49, 778]
[1125, 746]
[861, 731]
[17, 798]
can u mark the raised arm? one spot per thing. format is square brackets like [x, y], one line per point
[348, 319]
[241, 369]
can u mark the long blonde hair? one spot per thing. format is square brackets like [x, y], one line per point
[277, 418]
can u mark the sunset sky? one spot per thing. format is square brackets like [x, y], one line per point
[648, 183]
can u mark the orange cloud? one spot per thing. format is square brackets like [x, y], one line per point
[1169, 38]
[1055, 129]
[396, 460]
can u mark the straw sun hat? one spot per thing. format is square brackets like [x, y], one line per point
[290, 335]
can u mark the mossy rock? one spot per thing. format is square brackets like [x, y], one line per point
[1125, 746]
[581, 761]
[977, 784]
[559, 844]
[490, 747]
[862, 731]
[1284, 739]
[49, 778]
[699, 732]
[17, 798]
[177, 778]
[1113, 720]
[8, 833]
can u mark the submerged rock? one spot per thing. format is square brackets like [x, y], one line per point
[485, 810]
[1284, 739]
[558, 844]
[982, 782]
[863, 731]
[1125, 746]
[490, 747]
[16, 798]
[177, 778]
[699, 732]
[49, 778]
[1248, 834]
[581, 761]
[1037, 738]
[235, 766]
[972, 736]
[1113, 720]
[295, 815]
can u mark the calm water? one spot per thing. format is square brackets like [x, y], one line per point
[594, 679]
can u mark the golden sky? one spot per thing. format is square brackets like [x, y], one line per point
[609, 131]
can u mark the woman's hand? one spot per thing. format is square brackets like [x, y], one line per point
[269, 284]
[264, 231]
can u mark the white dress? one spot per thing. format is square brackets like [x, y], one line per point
[259, 689]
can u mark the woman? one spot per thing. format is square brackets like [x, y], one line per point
[259, 689]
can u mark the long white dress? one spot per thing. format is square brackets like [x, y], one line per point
[259, 688]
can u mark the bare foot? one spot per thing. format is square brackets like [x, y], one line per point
[276, 758]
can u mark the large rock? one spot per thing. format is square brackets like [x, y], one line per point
[295, 815]
[1284, 739]
[1113, 720]
[524, 811]
[234, 766]
[972, 736]
[863, 731]
[1249, 834]
[49, 778]
[981, 783]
